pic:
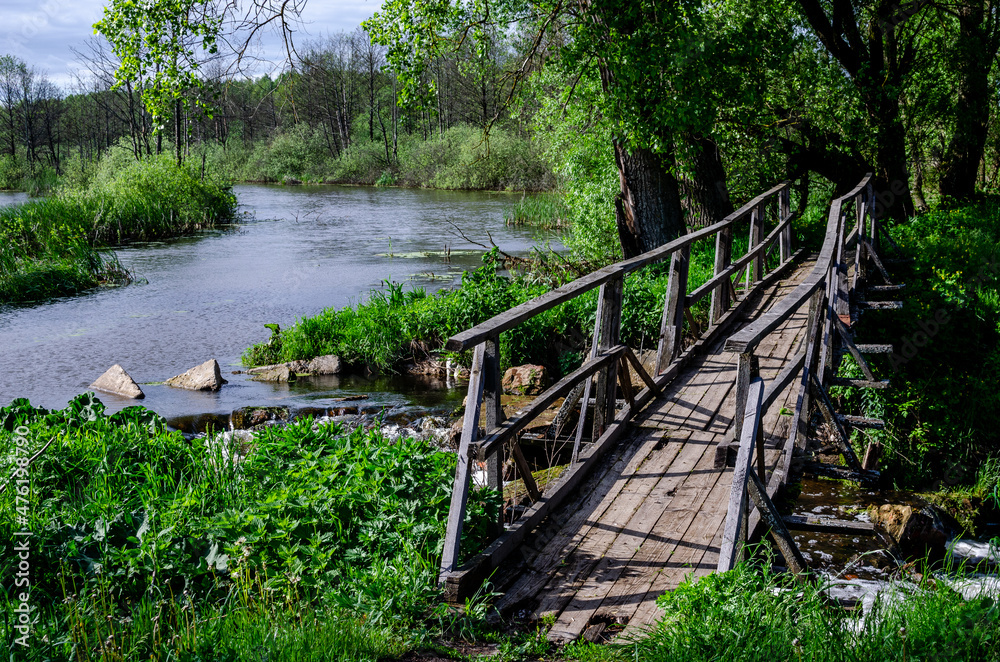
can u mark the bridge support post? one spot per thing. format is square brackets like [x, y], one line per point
[609, 325]
[756, 269]
[723, 257]
[747, 371]
[784, 211]
[672, 325]
[493, 417]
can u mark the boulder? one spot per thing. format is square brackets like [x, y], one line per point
[524, 380]
[918, 533]
[293, 366]
[204, 377]
[117, 381]
[279, 373]
[324, 365]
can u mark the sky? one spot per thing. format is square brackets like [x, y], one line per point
[44, 32]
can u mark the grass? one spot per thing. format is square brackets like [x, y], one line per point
[55, 246]
[146, 545]
[540, 211]
[395, 325]
[750, 614]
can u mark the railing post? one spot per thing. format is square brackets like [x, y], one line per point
[460, 491]
[843, 310]
[672, 325]
[610, 330]
[755, 271]
[784, 212]
[723, 257]
[747, 370]
[493, 412]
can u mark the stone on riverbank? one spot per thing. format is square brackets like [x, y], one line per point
[204, 377]
[524, 380]
[278, 373]
[246, 418]
[325, 365]
[118, 382]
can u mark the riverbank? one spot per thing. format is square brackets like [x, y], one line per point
[59, 245]
[460, 158]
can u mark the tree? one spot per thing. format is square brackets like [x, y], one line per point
[157, 42]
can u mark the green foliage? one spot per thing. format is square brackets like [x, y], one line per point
[217, 538]
[51, 247]
[945, 400]
[751, 614]
[153, 43]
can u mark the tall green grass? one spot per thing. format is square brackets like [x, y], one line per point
[146, 545]
[748, 615]
[53, 246]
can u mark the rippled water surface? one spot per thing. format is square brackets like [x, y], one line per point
[299, 250]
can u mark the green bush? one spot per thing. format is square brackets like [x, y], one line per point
[133, 524]
[944, 404]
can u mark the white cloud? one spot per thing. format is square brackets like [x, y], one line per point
[44, 33]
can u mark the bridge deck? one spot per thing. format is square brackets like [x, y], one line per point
[655, 511]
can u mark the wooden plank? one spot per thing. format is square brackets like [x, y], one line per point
[460, 490]
[737, 497]
[591, 504]
[779, 533]
[690, 513]
[640, 370]
[577, 586]
[672, 323]
[522, 468]
[611, 314]
[828, 525]
[723, 256]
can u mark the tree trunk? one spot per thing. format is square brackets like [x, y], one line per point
[974, 56]
[648, 209]
[705, 194]
[177, 132]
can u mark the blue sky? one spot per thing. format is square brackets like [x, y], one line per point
[43, 32]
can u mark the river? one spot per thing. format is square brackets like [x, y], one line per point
[296, 251]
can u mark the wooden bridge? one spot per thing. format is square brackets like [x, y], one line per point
[675, 478]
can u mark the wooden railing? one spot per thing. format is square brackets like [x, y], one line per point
[608, 362]
[828, 291]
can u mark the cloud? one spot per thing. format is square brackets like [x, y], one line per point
[44, 33]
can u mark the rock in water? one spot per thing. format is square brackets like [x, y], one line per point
[117, 381]
[324, 365]
[918, 533]
[205, 377]
[278, 373]
[524, 380]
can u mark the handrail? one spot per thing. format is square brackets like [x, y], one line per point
[747, 338]
[511, 318]
[830, 291]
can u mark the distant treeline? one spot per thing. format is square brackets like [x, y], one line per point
[340, 98]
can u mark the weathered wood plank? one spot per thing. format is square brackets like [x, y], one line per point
[733, 536]
[460, 490]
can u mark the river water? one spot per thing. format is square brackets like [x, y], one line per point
[296, 251]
